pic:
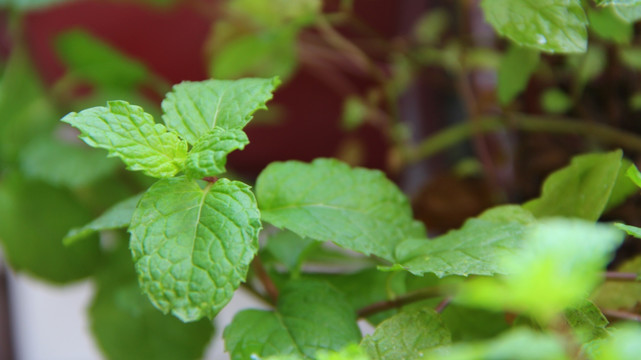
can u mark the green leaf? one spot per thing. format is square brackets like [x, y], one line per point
[350, 352]
[519, 343]
[620, 295]
[128, 132]
[193, 109]
[559, 263]
[631, 57]
[556, 101]
[467, 324]
[407, 335]
[356, 208]
[311, 316]
[617, 3]
[634, 174]
[127, 327]
[589, 65]
[630, 13]
[90, 58]
[630, 230]
[517, 66]
[609, 26]
[623, 344]
[547, 25]
[265, 53]
[431, 25]
[587, 322]
[209, 155]
[35, 217]
[118, 216]
[192, 247]
[277, 12]
[581, 189]
[354, 113]
[26, 110]
[474, 249]
[58, 163]
[623, 187]
[289, 249]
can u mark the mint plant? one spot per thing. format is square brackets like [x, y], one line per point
[323, 243]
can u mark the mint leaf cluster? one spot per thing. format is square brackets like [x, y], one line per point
[191, 242]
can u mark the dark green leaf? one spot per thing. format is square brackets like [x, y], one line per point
[581, 189]
[34, 218]
[311, 316]
[407, 335]
[517, 66]
[556, 101]
[609, 26]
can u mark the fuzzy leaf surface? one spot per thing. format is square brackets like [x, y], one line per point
[581, 189]
[129, 133]
[476, 248]
[311, 316]
[126, 326]
[192, 246]
[118, 216]
[356, 208]
[209, 155]
[547, 25]
[407, 335]
[57, 163]
[193, 109]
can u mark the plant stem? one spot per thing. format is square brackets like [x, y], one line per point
[264, 278]
[621, 276]
[443, 304]
[532, 123]
[399, 301]
[622, 315]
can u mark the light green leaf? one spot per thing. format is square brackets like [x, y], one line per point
[354, 113]
[277, 12]
[587, 321]
[547, 25]
[623, 187]
[351, 352]
[589, 65]
[192, 246]
[517, 66]
[127, 327]
[609, 26]
[407, 335]
[623, 344]
[34, 218]
[630, 13]
[621, 295]
[265, 53]
[90, 58]
[311, 316]
[128, 132]
[431, 25]
[556, 101]
[118, 216]
[519, 343]
[356, 208]
[559, 264]
[209, 155]
[193, 109]
[476, 248]
[581, 189]
[617, 3]
[630, 230]
[58, 163]
[634, 174]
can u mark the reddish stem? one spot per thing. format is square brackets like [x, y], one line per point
[210, 179]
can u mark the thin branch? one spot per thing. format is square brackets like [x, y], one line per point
[621, 276]
[443, 304]
[399, 301]
[264, 278]
[621, 315]
[532, 123]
